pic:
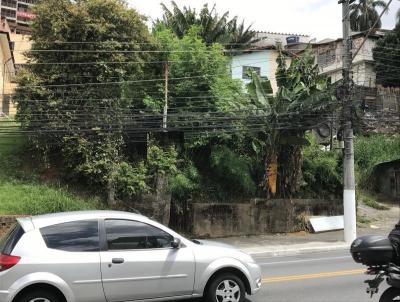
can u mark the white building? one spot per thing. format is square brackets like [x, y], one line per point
[262, 57]
[329, 55]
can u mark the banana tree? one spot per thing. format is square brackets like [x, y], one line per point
[303, 98]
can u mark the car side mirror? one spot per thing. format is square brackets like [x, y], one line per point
[176, 243]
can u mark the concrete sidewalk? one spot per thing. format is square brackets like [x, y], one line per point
[296, 243]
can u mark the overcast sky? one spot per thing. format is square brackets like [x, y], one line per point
[318, 18]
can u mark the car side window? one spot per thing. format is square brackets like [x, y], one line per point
[76, 236]
[133, 235]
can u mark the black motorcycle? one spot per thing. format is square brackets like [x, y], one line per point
[378, 254]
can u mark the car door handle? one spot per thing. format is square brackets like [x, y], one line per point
[118, 260]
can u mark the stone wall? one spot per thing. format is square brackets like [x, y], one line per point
[258, 217]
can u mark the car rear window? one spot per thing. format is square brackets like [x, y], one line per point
[76, 236]
[10, 240]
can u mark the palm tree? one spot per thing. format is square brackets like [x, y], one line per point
[364, 14]
[213, 27]
[239, 35]
[179, 21]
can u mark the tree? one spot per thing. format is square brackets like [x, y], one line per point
[302, 99]
[200, 81]
[70, 96]
[386, 56]
[213, 27]
[202, 100]
[364, 14]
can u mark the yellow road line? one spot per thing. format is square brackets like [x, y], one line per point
[313, 276]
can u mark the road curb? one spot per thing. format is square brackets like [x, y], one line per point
[296, 250]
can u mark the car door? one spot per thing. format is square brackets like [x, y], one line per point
[73, 254]
[139, 263]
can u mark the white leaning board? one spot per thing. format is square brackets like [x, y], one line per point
[324, 224]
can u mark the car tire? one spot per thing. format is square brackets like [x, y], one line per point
[225, 288]
[39, 296]
[390, 294]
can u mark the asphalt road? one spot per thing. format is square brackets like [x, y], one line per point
[316, 277]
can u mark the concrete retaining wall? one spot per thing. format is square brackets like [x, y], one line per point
[259, 216]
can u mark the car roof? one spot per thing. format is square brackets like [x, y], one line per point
[57, 218]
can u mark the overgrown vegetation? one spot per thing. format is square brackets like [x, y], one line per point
[77, 115]
[101, 115]
[386, 56]
[301, 101]
[370, 201]
[322, 176]
[372, 150]
[213, 28]
[21, 198]
[20, 189]
[233, 171]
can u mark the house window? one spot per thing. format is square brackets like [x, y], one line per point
[8, 13]
[246, 72]
[327, 58]
[9, 3]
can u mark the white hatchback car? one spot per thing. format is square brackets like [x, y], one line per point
[110, 256]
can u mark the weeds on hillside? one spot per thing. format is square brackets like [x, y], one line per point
[21, 193]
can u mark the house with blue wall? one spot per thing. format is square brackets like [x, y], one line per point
[262, 57]
[261, 60]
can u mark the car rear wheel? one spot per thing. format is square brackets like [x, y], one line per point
[39, 296]
[226, 288]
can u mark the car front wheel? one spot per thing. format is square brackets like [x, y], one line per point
[226, 288]
[39, 296]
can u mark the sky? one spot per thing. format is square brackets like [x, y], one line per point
[318, 18]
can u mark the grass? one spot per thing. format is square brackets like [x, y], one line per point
[20, 191]
[371, 202]
[22, 198]
[363, 220]
[375, 205]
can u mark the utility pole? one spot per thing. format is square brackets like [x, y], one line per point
[349, 188]
[165, 111]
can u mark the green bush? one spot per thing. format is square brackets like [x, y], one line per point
[162, 161]
[131, 180]
[321, 171]
[185, 183]
[372, 150]
[233, 171]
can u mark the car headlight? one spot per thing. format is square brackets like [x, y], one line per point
[258, 282]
